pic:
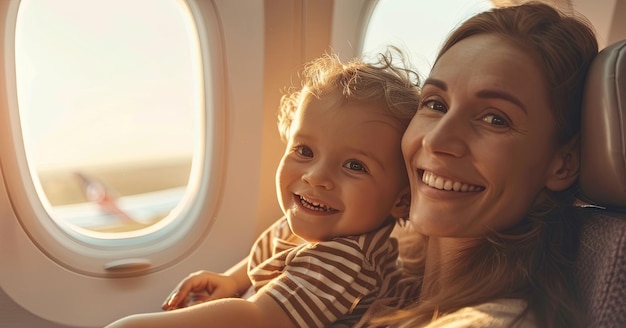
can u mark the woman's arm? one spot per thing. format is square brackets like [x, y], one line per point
[261, 311]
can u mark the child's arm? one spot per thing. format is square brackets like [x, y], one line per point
[258, 311]
[207, 286]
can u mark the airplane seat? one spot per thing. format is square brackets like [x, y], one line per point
[601, 264]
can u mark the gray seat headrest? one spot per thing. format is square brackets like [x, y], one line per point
[603, 135]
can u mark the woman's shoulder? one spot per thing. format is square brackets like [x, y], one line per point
[498, 313]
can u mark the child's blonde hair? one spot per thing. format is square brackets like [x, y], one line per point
[394, 86]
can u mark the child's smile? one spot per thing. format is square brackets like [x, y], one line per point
[314, 206]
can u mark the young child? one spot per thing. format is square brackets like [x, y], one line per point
[342, 185]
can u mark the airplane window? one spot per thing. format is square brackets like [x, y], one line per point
[109, 95]
[417, 27]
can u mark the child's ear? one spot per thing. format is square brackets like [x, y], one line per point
[565, 166]
[402, 204]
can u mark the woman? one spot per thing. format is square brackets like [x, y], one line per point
[492, 155]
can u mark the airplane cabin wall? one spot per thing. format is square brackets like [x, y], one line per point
[264, 43]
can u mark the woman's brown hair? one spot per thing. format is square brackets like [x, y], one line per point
[534, 260]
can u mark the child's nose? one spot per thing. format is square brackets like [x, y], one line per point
[319, 176]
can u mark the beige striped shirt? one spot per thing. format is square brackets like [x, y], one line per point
[324, 282]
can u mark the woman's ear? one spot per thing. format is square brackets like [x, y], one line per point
[565, 166]
[402, 204]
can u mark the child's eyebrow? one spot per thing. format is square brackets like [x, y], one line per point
[366, 154]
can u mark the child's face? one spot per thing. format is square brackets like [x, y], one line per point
[342, 171]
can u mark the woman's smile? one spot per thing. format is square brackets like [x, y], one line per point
[446, 184]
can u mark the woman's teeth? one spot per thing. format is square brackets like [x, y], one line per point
[446, 184]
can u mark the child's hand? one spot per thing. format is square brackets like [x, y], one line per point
[199, 287]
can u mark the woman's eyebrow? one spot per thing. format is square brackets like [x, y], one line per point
[436, 83]
[500, 94]
[497, 94]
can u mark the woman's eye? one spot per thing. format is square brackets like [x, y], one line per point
[304, 151]
[435, 105]
[355, 166]
[495, 120]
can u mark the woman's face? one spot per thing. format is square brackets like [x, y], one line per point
[482, 145]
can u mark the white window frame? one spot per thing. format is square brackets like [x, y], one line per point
[53, 274]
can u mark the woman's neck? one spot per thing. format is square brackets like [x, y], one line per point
[441, 254]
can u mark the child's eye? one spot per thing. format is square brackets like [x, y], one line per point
[434, 105]
[495, 120]
[304, 151]
[355, 166]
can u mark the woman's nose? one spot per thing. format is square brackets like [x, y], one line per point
[447, 136]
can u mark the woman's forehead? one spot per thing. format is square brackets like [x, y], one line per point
[490, 62]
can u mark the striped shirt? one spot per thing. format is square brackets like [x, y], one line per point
[327, 282]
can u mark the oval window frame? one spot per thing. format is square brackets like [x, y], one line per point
[144, 254]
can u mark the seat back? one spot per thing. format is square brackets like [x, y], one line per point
[602, 255]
